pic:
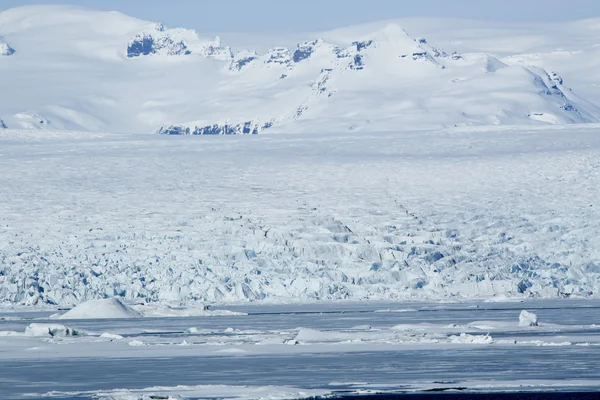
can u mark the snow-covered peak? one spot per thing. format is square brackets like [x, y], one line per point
[307, 49]
[391, 43]
[492, 64]
[242, 59]
[106, 71]
[284, 56]
[159, 40]
[386, 45]
[278, 56]
[393, 35]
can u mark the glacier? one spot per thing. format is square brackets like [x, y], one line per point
[464, 213]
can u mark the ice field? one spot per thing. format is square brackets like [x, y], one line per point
[451, 214]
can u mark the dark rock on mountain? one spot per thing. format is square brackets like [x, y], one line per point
[242, 60]
[279, 55]
[173, 130]
[244, 128]
[363, 45]
[357, 63]
[145, 44]
[305, 50]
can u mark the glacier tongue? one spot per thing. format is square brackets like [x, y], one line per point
[426, 215]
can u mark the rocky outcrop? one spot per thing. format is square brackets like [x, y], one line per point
[242, 60]
[175, 42]
[279, 56]
[363, 45]
[305, 50]
[244, 128]
[145, 44]
[357, 63]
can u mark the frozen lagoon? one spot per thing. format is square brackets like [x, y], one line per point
[298, 351]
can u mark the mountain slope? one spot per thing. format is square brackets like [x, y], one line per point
[75, 68]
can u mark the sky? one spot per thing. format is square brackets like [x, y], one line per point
[269, 16]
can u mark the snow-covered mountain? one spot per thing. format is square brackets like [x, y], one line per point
[75, 68]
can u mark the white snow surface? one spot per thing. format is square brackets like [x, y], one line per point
[53, 330]
[80, 69]
[162, 310]
[455, 214]
[43, 330]
[112, 336]
[114, 308]
[101, 308]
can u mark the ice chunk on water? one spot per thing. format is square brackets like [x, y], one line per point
[100, 309]
[528, 319]
[52, 330]
[111, 336]
[465, 338]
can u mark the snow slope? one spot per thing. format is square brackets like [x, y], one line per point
[448, 215]
[75, 68]
[569, 48]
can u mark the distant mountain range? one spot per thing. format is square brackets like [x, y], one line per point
[80, 69]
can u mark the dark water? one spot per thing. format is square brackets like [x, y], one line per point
[317, 371]
[302, 370]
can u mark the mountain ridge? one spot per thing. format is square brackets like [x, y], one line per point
[172, 80]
